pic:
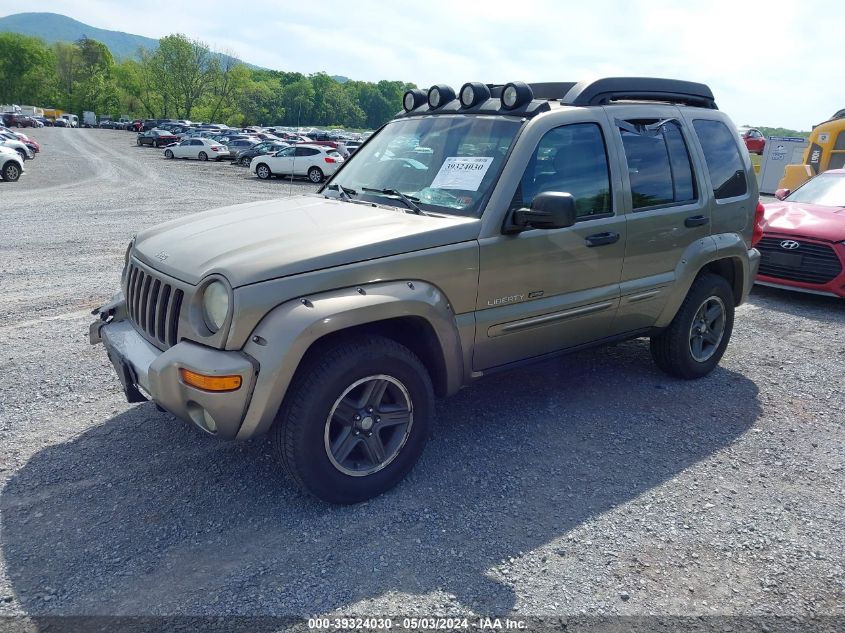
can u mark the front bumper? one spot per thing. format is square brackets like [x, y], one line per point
[147, 372]
[834, 287]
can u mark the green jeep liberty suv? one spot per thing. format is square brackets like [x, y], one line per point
[471, 233]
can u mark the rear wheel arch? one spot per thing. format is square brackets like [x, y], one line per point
[731, 269]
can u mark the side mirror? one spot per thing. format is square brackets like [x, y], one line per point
[549, 210]
[781, 194]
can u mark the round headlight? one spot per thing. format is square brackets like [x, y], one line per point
[215, 305]
[434, 97]
[440, 95]
[516, 94]
[413, 99]
[509, 97]
[474, 93]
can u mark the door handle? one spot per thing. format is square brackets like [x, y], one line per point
[696, 220]
[600, 239]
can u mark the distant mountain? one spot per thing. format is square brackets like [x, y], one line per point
[52, 27]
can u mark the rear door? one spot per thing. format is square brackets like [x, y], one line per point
[666, 209]
[303, 159]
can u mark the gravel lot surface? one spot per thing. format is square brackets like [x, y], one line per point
[593, 484]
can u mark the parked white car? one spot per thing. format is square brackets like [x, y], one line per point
[313, 161]
[197, 148]
[17, 146]
[11, 165]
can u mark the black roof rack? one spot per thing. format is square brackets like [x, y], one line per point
[608, 89]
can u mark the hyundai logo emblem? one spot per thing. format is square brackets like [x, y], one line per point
[789, 245]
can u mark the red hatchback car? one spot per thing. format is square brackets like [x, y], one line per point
[753, 139]
[803, 245]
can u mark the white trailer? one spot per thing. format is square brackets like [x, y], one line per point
[89, 119]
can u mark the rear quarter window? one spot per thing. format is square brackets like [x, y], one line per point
[724, 162]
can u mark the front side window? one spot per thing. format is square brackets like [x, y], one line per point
[570, 159]
[724, 162]
[659, 166]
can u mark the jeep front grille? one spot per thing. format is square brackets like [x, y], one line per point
[809, 263]
[153, 305]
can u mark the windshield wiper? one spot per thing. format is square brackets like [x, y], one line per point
[345, 194]
[408, 200]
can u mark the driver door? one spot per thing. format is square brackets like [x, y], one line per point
[282, 161]
[541, 291]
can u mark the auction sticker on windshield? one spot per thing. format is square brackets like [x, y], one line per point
[462, 172]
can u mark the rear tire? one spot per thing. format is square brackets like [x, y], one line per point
[202, 156]
[315, 175]
[11, 171]
[337, 443]
[696, 339]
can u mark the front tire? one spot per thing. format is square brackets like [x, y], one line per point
[355, 419]
[263, 172]
[168, 153]
[697, 337]
[315, 175]
[11, 171]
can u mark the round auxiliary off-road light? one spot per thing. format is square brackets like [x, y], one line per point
[413, 99]
[440, 95]
[473, 93]
[515, 94]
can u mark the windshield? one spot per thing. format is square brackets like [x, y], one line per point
[825, 189]
[442, 163]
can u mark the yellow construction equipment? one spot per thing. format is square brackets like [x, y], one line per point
[825, 151]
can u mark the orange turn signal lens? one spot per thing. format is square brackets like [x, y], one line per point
[210, 383]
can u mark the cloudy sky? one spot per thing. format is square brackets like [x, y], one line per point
[774, 63]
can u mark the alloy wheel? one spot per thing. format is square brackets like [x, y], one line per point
[707, 329]
[368, 425]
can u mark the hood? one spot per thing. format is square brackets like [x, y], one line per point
[808, 220]
[257, 241]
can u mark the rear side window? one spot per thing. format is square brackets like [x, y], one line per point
[724, 162]
[659, 166]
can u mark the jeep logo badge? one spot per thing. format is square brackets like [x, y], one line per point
[789, 245]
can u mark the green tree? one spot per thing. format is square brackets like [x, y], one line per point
[27, 70]
[185, 70]
[298, 101]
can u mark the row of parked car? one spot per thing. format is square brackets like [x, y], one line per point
[268, 152]
[15, 149]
